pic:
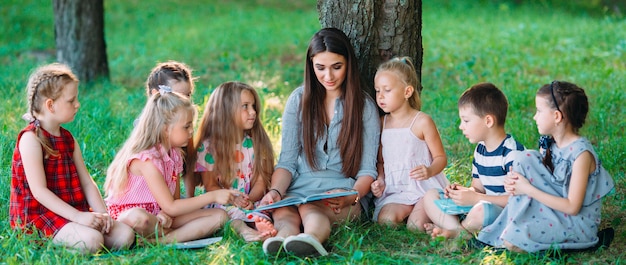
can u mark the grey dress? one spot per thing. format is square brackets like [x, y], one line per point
[531, 225]
[305, 180]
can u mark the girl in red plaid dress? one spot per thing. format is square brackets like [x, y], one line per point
[142, 184]
[51, 191]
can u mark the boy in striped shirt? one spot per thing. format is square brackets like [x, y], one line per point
[482, 109]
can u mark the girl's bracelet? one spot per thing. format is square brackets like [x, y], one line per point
[279, 194]
[356, 200]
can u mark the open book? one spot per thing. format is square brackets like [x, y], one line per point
[448, 206]
[297, 200]
[200, 243]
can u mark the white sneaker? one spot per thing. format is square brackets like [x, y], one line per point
[272, 245]
[304, 245]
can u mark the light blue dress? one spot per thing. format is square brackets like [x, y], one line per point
[531, 225]
[306, 181]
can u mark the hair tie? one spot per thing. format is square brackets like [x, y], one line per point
[31, 119]
[545, 141]
[164, 89]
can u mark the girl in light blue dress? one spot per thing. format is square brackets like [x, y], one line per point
[558, 191]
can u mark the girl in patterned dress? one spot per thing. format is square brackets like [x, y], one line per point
[52, 192]
[412, 157]
[557, 191]
[235, 152]
[142, 181]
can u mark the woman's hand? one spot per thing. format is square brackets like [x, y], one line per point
[270, 197]
[420, 172]
[338, 203]
[378, 187]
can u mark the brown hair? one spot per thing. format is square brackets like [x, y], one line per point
[218, 126]
[350, 139]
[46, 82]
[164, 73]
[486, 99]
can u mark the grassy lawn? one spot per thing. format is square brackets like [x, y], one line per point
[263, 43]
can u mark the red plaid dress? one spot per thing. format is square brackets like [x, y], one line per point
[62, 179]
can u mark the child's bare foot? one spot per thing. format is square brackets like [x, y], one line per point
[447, 234]
[512, 247]
[265, 227]
[250, 235]
[428, 228]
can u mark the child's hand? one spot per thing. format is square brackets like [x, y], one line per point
[90, 219]
[420, 172]
[226, 196]
[243, 202]
[463, 196]
[516, 184]
[107, 222]
[164, 219]
[451, 187]
[378, 186]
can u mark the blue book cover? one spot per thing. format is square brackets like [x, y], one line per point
[448, 206]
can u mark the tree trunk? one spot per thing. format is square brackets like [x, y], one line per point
[378, 30]
[79, 34]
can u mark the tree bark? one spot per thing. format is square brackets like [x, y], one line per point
[79, 35]
[378, 30]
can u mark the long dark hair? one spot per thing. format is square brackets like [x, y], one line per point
[571, 101]
[350, 139]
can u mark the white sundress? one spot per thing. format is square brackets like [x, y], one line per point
[402, 151]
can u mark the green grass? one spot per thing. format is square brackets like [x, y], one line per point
[517, 47]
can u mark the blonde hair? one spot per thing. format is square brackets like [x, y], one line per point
[162, 110]
[46, 82]
[218, 126]
[404, 68]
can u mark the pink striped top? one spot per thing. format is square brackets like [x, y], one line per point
[137, 192]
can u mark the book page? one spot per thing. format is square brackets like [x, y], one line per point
[322, 196]
[311, 198]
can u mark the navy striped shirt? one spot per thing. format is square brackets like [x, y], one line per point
[492, 167]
